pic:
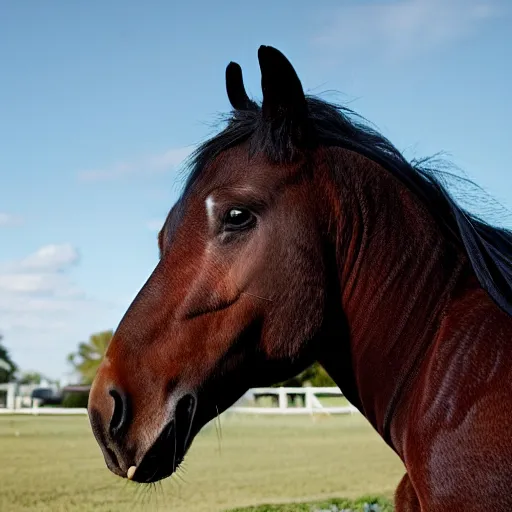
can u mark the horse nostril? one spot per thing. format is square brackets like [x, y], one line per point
[121, 415]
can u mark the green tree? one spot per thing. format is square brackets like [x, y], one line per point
[320, 378]
[31, 378]
[315, 375]
[89, 355]
[7, 366]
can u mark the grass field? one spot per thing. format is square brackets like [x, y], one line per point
[53, 464]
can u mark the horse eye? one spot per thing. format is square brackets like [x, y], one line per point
[238, 218]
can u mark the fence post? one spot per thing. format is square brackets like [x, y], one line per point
[283, 399]
[11, 396]
[308, 399]
[36, 402]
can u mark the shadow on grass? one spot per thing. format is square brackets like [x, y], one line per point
[364, 504]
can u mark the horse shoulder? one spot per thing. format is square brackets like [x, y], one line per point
[459, 443]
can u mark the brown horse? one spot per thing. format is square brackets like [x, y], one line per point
[302, 236]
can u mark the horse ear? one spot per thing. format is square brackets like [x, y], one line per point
[236, 90]
[283, 96]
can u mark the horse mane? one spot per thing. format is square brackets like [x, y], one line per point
[489, 248]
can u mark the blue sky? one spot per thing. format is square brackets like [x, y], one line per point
[101, 101]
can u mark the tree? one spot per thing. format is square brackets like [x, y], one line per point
[315, 376]
[89, 356]
[7, 366]
[319, 377]
[31, 378]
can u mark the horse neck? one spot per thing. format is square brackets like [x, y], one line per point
[397, 273]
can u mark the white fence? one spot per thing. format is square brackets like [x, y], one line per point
[9, 390]
[15, 397]
[248, 404]
[309, 395]
[45, 411]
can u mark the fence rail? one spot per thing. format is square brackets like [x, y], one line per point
[312, 404]
[284, 397]
[45, 411]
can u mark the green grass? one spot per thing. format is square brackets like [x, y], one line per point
[53, 464]
[334, 401]
[334, 504]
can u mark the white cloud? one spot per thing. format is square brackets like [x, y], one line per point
[43, 314]
[403, 28]
[55, 284]
[40, 273]
[8, 220]
[167, 161]
[50, 258]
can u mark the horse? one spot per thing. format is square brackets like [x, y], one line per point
[303, 235]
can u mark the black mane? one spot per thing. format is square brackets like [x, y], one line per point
[489, 248]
